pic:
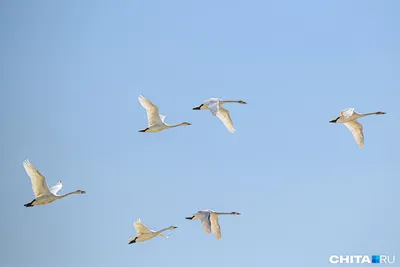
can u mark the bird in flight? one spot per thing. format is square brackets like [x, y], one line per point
[144, 233]
[209, 221]
[215, 106]
[349, 117]
[155, 119]
[43, 195]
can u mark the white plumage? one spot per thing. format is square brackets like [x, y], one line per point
[43, 195]
[156, 121]
[215, 106]
[209, 221]
[144, 233]
[349, 117]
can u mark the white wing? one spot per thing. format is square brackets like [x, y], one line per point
[141, 228]
[347, 112]
[160, 234]
[213, 105]
[38, 181]
[162, 117]
[54, 189]
[357, 130]
[205, 220]
[153, 117]
[215, 226]
[223, 115]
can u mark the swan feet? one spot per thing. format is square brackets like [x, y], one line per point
[133, 241]
[29, 204]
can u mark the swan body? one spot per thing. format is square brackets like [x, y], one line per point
[43, 195]
[144, 233]
[215, 106]
[209, 221]
[349, 118]
[155, 119]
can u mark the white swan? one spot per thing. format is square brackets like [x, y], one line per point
[349, 117]
[144, 233]
[155, 120]
[209, 221]
[43, 195]
[215, 106]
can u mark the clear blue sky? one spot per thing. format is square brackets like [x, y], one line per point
[70, 75]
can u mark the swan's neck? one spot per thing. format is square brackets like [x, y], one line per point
[229, 101]
[176, 125]
[224, 213]
[71, 193]
[368, 114]
[163, 230]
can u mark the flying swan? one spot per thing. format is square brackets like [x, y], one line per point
[349, 117]
[209, 221]
[144, 233]
[155, 119]
[43, 195]
[215, 106]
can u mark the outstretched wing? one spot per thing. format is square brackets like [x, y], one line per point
[38, 181]
[347, 112]
[215, 226]
[223, 115]
[205, 222]
[141, 228]
[160, 234]
[213, 105]
[54, 189]
[162, 117]
[356, 130]
[153, 117]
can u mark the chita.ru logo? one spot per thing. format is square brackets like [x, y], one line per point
[385, 259]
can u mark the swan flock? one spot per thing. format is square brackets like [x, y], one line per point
[156, 122]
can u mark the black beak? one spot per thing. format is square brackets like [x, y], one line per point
[189, 218]
[133, 241]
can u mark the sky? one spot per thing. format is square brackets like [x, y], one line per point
[70, 75]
